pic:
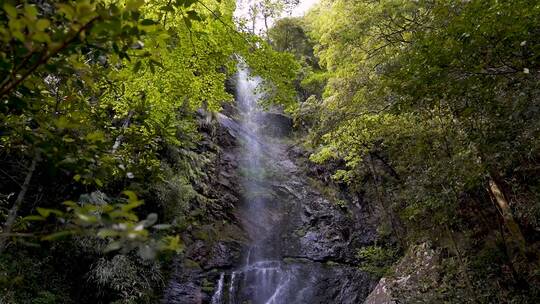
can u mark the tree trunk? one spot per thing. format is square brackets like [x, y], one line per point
[12, 215]
[266, 27]
[462, 265]
[504, 207]
[388, 213]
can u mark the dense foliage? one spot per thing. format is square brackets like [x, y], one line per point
[433, 106]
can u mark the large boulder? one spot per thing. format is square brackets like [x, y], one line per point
[415, 275]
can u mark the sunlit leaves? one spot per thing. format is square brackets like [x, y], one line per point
[10, 10]
[101, 88]
[133, 5]
[115, 222]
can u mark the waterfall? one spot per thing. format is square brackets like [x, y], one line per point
[263, 269]
[232, 288]
[218, 295]
[263, 279]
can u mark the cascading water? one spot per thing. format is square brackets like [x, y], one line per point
[264, 277]
[218, 296]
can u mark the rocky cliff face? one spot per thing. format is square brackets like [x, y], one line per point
[317, 231]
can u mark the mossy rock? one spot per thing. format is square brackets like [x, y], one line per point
[300, 232]
[188, 263]
[208, 289]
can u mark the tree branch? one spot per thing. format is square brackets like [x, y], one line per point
[6, 89]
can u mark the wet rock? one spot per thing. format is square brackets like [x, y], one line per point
[294, 281]
[210, 255]
[275, 124]
[183, 293]
[320, 229]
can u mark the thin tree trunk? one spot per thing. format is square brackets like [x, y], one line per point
[506, 212]
[496, 192]
[12, 215]
[462, 265]
[508, 252]
[390, 217]
[266, 27]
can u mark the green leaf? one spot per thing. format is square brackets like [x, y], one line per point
[44, 212]
[123, 214]
[167, 8]
[42, 24]
[58, 235]
[33, 218]
[193, 15]
[41, 37]
[98, 182]
[85, 8]
[103, 233]
[131, 205]
[173, 243]
[30, 11]
[71, 204]
[113, 246]
[95, 136]
[185, 3]
[87, 218]
[67, 10]
[147, 22]
[131, 195]
[10, 10]
[68, 139]
[133, 5]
